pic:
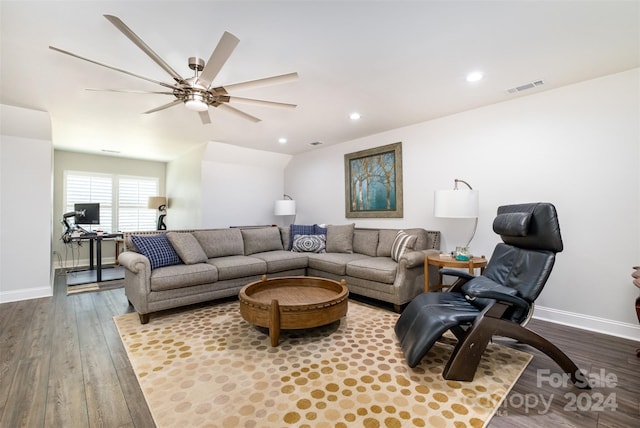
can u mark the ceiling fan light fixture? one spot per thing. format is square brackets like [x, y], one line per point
[196, 102]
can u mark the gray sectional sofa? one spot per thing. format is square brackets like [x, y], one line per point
[169, 269]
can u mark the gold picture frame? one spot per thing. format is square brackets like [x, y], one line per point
[373, 182]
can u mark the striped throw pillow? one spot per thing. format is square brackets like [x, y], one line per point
[401, 244]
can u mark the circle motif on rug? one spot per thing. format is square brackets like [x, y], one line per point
[195, 365]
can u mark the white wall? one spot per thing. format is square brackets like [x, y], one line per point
[577, 147]
[25, 204]
[240, 185]
[184, 184]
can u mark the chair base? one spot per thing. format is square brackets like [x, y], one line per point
[423, 322]
[464, 360]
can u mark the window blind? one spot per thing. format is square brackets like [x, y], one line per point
[123, 207]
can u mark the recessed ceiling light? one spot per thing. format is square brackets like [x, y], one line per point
[475, 76]
[282, 140]
[354, 116]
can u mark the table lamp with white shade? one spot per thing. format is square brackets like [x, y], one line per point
[458, 203]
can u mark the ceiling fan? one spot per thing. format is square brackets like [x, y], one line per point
[197, 93]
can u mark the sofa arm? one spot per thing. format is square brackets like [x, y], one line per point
[137, 280]
[412, 259]
[135, 262]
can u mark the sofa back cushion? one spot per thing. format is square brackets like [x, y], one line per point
[187, 247]
[261, 239]
[365, 241]
[285, 237]
[340, 238]
[386, 237]
[220, 242]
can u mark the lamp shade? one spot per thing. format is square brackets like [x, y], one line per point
[285, 207]
[459, 203]
[156, 202]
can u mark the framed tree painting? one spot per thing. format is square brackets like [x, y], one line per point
[373, 182]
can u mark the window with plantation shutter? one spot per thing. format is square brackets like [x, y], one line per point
[133, 195]
[83, 188]
[122, 199]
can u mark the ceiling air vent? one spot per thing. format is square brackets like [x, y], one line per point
[315, 143]
[526, 86]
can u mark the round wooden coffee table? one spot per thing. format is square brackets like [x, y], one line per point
[293, 302]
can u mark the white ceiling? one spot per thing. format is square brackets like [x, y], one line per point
[395, 62]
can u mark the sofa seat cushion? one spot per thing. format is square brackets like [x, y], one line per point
[379, 269]
[280, 261]
[179, 276]
[335, 263]
[232, 267]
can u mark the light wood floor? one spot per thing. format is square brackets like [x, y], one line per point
[62, 364]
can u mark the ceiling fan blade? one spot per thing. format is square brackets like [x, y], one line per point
[142, 45]
[113, 68]
[273, 80]
[162, 107]
[204, 117]
[129, 91]
[235, 111]
[219, 56]
[260, 102]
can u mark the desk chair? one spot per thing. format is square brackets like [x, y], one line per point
[497, 303]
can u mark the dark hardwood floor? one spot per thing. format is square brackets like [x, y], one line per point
[62, 364]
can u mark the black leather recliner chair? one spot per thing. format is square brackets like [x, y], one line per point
[495, 304]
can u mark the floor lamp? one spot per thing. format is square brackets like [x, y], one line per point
[458, 203]
[285, 206]
[159, 203]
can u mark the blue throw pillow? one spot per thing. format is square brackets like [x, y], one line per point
[157, 249]
[319, 230]
[299, 229]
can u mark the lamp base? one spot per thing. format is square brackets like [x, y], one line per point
[161, 225]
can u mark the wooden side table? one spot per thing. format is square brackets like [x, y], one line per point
[441, 260]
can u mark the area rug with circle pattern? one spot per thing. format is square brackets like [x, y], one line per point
[208, 367]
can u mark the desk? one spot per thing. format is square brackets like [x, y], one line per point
[451, 262]
[98, 250]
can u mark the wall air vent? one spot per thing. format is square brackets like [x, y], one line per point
[526, 86]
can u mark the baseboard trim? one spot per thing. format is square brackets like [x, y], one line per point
[26, 294]
[587, 322]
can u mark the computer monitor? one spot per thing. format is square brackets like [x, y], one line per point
[90, 213]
